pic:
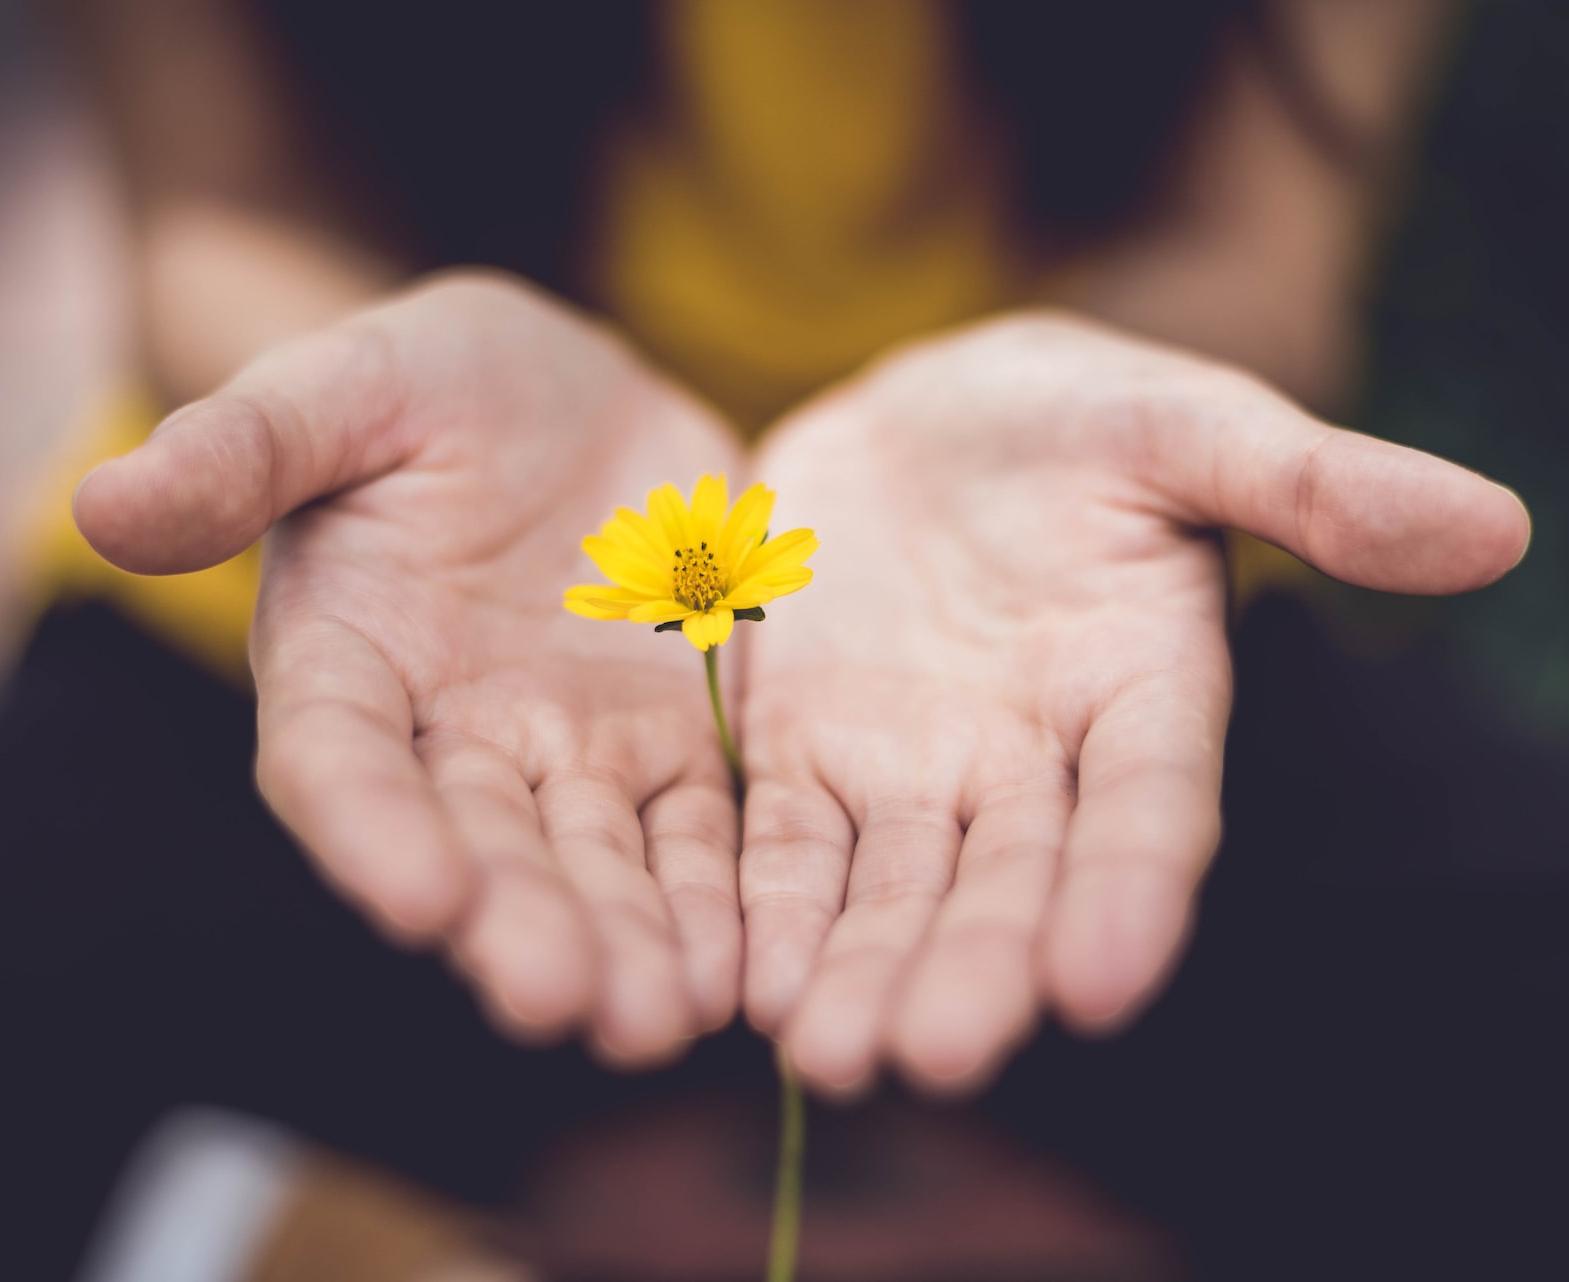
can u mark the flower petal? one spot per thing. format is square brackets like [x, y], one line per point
[762, 589]
[708, 628]
[784, 552]
[710, 498]
[658, 611]
[695, 629]
[671, 514]
[596, 601]
[637, 533]
[721, 623]
[628, 569]
[744, 527]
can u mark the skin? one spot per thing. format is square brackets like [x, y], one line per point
[984, 745]
[475, 767]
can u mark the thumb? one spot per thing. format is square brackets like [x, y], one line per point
[306, 419]
[1363, 510]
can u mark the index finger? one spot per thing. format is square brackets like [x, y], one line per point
[1142, 833]
[336, 762]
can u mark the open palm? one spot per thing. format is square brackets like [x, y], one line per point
[985, 752]
[984, 748]
[469, 762]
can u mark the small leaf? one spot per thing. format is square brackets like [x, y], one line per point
[673, 626]
[752, 613]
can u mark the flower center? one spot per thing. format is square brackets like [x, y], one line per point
[696, 580]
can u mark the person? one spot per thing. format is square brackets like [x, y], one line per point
[985, 748]
[992, 731]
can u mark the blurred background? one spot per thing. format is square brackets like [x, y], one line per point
[215, 1072]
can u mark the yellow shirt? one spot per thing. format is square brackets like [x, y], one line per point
[813, 192]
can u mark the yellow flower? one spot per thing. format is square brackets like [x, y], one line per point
[700, 564]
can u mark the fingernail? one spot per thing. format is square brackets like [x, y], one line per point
[1526, 513]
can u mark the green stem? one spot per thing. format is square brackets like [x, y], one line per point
[787, 1179]
[786, 1234]
[726, 743]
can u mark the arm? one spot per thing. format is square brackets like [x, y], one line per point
[228, 192]
[1260, 246]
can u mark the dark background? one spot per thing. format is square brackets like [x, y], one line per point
[1359, 1071]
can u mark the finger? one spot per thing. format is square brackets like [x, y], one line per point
[1141, 836]
[1364, 510]
[308, 418]
[643, 1009]
[525, 942]
[795, 858]
[903, 864]
[336, 763]
[692, 838]
[970, 995]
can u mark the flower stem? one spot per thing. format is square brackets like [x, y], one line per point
[787, 1178]
[786, 1234]
[726, 743]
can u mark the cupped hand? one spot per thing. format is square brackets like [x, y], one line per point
[985, 748]
[467, 761]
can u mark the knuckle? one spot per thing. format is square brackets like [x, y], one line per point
[1001, 937]
[242, 460]
[1309, 488]
[696, 833]
[702, 896]
[909, 825]
[1145, 845]
[793, 900]
[603, 828]
[476, 297]
[485, 286]
[627, 919]
[913, 891]
[848, 963]
[997, 855]
[695, 816]
[277, 775]
[1029, 328]
[364, 354]
[781, 824]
